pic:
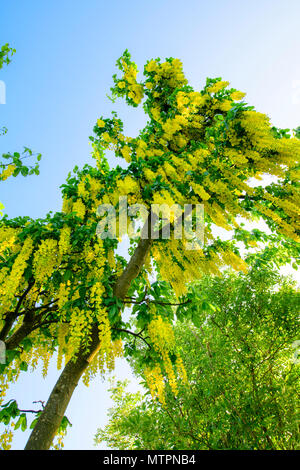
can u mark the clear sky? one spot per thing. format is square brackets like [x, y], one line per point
[56, 89]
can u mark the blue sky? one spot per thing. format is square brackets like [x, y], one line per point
[56, 89]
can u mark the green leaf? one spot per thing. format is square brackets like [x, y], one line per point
[24, 366]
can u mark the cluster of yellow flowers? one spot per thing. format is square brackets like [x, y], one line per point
[59, 437]
[180, 266]
[45, 260]
[189, 103]
[126, 152]
[8, 239]
[11, 375]
[40, 353]
[257, 126]
[135, 90]
[79, 329]
[67, 205]
[64, 240]
[162, 337]
[155, 381]
[170, 71]
[88, 187]
[237, 95]
[103, 360]
[198, 189]
[127, 185]
[79, 208]
[181, 370]
[9, 286]
[6, 438]
[233, 260]
[216, 87]
[62, 332]
[96, 297]
[171, 126]
[7, 172]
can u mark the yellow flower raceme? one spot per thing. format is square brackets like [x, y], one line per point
[79, 208]
[8, 240]
[224, 105]
[63, 296]
[155, 381]
[126, 152]
[127, 185]
[121, 84]
[45, 260]
[136, 92]
[237, 95]
[152, 66]
[149, 85]
[11, 284]
[170, 373]
[198, 189]
[100, 123]
[64, 240]
[6, 439]
[161, 335]
[67, 205]
[216, 87]
[7, 172]
[181, 370]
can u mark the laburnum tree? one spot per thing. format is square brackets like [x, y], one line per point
[64, 287]
[242, 371]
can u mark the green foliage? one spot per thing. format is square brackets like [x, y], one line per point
[17, 159]
[237, 348]
[6, 52]
[10, 411]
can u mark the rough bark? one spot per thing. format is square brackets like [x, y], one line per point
[49, 421]
[132, 269]
[16, 338]
[9, 320]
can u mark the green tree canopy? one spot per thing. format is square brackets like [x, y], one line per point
[238, 350]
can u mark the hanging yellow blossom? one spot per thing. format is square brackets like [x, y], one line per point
[79, 208]
[45, 260]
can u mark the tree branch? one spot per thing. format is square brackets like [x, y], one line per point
[137, 335]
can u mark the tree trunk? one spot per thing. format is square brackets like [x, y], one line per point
[18, 336]
[49, 421]
[43, 433]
